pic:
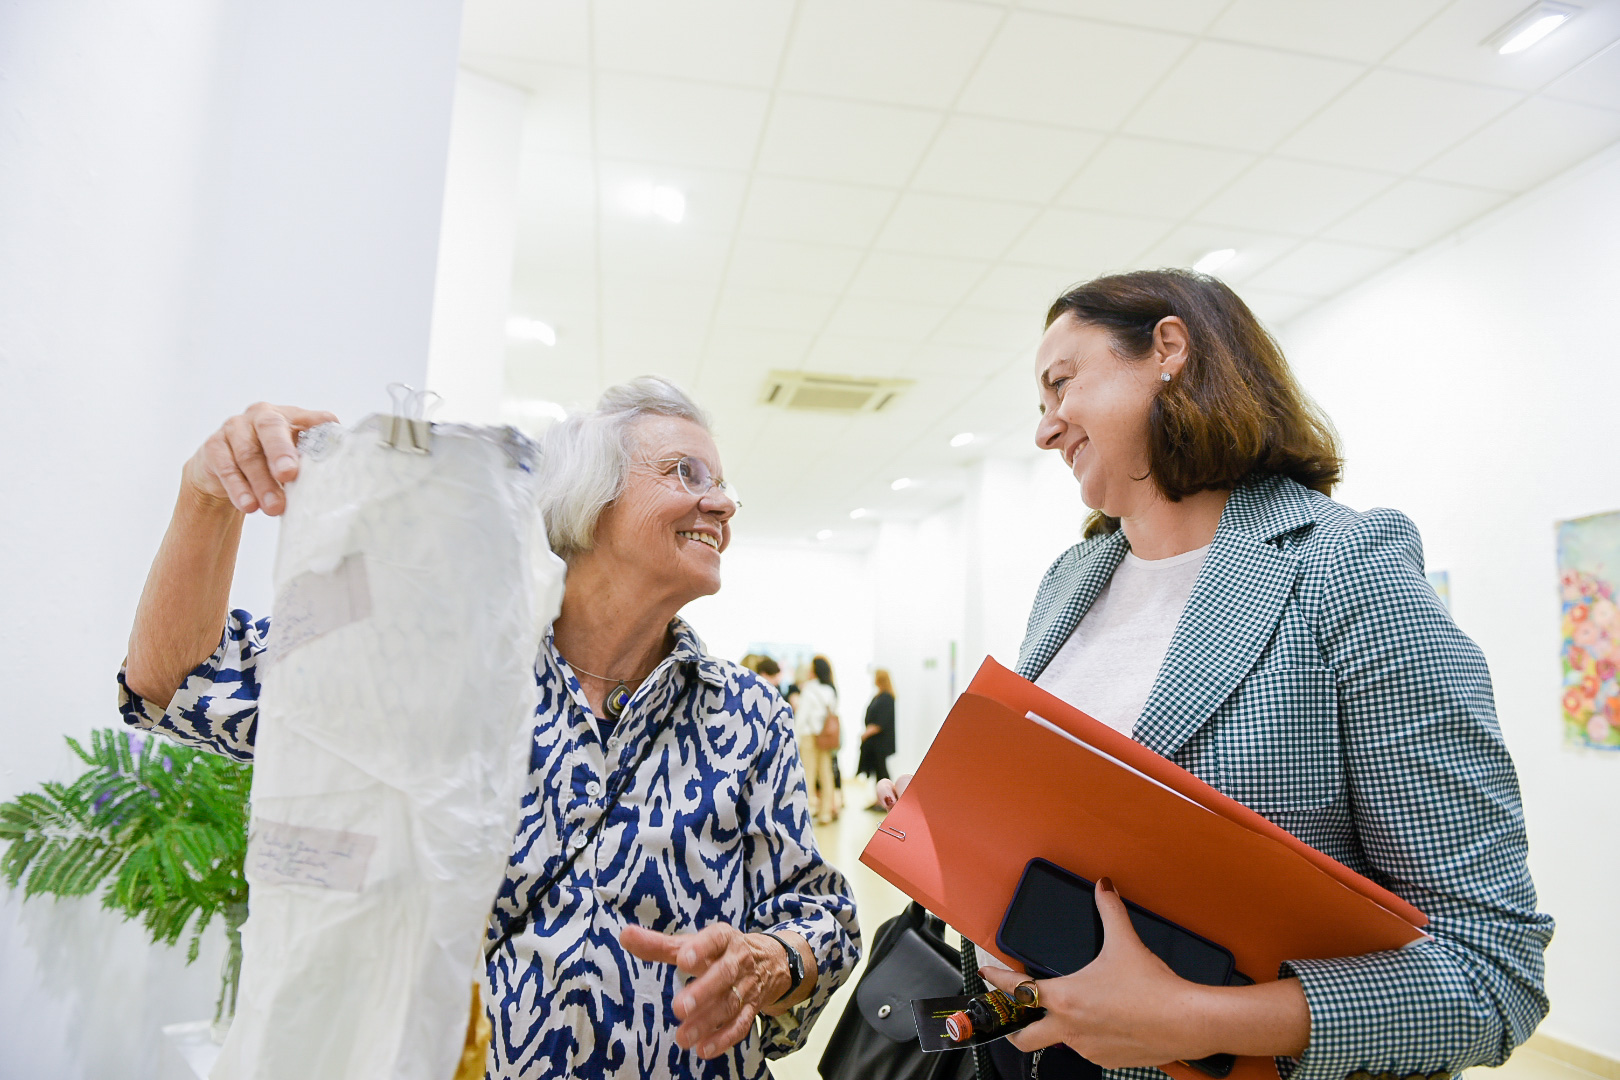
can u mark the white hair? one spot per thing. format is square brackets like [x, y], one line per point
[586, 458]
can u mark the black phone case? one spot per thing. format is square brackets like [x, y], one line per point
[1216, 1065]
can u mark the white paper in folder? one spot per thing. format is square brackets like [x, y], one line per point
[413, 592]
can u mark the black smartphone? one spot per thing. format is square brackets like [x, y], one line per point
[1052, 925]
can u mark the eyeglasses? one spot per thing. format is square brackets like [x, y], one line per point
[695, 477]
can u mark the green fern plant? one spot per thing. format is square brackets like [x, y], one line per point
[159, 828]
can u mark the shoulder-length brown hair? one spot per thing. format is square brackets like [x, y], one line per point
[1233, 411]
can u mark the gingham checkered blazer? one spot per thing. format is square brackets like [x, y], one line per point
[1316, 677]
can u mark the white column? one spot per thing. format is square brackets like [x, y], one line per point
[477, 244]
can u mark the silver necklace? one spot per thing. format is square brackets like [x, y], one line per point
[618, 697]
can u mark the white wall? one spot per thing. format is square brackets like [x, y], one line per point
[793, 595]
[1475, 387]
[477, 246]
[201, 204]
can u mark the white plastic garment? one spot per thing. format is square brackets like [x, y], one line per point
[396, 712]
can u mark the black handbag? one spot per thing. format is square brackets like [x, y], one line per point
[876, 1037]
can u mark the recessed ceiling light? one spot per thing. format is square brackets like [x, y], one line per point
[647, 199]
[522, 328]
[901, 484]
[1215, 260]
[824, 534]
[859, 512]
[962, 439]
[1530, 26]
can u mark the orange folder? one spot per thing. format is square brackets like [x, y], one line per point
[999, 788]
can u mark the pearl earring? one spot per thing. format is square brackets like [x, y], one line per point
[1164, 376]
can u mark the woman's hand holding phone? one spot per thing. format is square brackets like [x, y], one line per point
[1127, 1008]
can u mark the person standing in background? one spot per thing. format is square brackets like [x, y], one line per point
[771, 672]
[817, 707]
[877, 738]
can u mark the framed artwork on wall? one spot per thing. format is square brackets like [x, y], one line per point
[1588, 573]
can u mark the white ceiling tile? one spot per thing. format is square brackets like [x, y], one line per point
[652, 250]
[855, 142]
[1414, 213]
[775, 264]
[1395, 121]
[957, 361]
[1276, 308]
[815, 212]
[1047, 69]
[1322, 268]
[1292, 196]
[1003, 159]
[888, 320]
[557, 194]
[1085, 243]
[1596, 82]
[839, 355]
[626, 296]
[772, 309]
[992, 328]
[1534, 142]
[644, 346]
[749, 353]
[1365, 30]
[729, 41]
[1184, 16]
[1026, 289]
[944, 225]
[905, 52]
[713, 199]
[1189, 243]
[1151, 177]
[570, 381]
[887, 275]
[556, 32]
[1452, 45]
[678, 123]
[1238, 97]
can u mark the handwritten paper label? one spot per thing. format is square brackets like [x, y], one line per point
[280, 854]
[314, 604]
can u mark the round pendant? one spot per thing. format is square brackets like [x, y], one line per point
[616, 700]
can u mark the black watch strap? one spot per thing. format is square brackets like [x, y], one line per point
[795, 964]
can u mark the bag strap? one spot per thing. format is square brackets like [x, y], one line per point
[616, 788]
[973, 986]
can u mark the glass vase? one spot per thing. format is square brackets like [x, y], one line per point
[231, 971]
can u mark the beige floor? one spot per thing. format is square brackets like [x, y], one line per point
[878, 900]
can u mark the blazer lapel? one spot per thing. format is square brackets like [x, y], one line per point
[1072, 594]
[1230, 616]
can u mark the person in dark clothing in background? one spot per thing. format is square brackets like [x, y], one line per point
[877, 740]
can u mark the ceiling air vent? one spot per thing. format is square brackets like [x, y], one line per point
[830, 393]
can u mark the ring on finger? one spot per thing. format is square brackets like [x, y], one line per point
[1030, 997]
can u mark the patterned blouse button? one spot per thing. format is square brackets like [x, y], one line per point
[578, 841]
[593, 789]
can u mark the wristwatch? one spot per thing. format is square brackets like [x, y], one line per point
[795, 964]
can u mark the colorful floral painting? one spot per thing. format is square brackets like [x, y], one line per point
[1589, 569]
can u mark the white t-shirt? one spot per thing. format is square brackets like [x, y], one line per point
[816, 700]
[1107, 667]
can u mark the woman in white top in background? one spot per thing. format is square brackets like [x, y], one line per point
[818, 701]
[1230, 616]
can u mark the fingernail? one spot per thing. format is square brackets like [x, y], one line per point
[243, 502]
[688, 958]
[1106, 885]
[286, 463]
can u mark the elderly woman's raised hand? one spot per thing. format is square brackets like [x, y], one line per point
[735, 977]
[252, 456]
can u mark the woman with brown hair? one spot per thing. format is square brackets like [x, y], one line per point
[1226, 613]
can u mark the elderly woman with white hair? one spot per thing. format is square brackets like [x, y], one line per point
[707, 865]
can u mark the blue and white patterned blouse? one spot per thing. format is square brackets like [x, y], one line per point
[713, 826]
